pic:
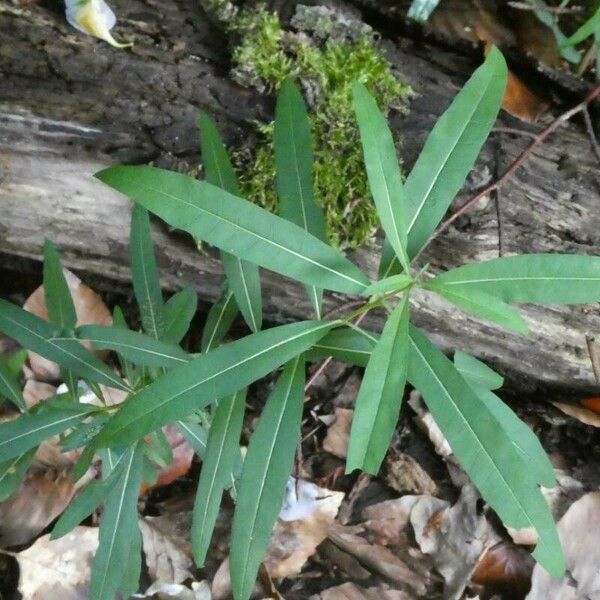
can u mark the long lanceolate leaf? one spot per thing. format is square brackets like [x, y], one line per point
[28, 430]
[146, 284]
[215, 374]
[450, 152]
[478, 437]
[293, 169]
[266, 470]
[179, 312]
[13, 471]
[118, 530]
[383, 170]
[221, 455]
[218, 321]
[237, 226]
[380, 396]
[242, 276]
[135, 347]
[9, 387]
[59, 302]
[535, 278]
[40, 336]
[483, 305]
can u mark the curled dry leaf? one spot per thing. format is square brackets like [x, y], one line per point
[58, 568]
[583, 414]
[175, 591]
[41, 497]
[504, 570]
[389, 519]
[166, 548]
[336, 440]
[579, 531]
[35, 391]
[90, 310]
[454, 536]
[426, 422]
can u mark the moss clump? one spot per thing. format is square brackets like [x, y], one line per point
[326, 68]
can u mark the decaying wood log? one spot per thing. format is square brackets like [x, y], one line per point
[70, 105]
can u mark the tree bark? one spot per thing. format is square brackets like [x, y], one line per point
[71, 105]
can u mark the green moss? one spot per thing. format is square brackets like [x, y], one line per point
[264, 57]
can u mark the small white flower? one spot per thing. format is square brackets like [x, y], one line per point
[93, 17]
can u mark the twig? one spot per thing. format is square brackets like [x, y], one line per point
[539, 139]
[497, 195]
[594, 352]
[590, 131]
[556, 10]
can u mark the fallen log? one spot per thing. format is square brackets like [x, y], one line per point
[70, 105]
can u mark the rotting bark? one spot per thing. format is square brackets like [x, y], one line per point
[70, 105]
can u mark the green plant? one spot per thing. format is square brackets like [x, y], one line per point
[265, 56]
[204, 393]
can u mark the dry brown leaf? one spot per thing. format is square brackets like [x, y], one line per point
[174, 591]
[351, 591]
[454, 536]
[292, 541]
[336, 440]
[389, 519]
[168, 553]
[90, 310]
[505, 570]
[585, 415]
[579, 531]
[40, 498]
[377, 559]
[521, 102]
[426, 422]
[35, 391]
[58, 569]
[405, 475]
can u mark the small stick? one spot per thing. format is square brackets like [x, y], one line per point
[591, 133]
[557, 10]
[594, 352]
[518, 162]
[497, 196]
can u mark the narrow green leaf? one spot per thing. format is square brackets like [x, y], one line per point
[221, 455]
[220, 317]
[482, 305]
[480, 441]
[13, 471]
[476, 372]
[30, 429]
[127, 367]
[10, 388]
[179, 312]
[483, 379]
[348, 345]
[40, 336]
[380, 396]
[267, 466]
[450, 152]
[15, 363]
[383, 170]
[86, 501]
[146, 284]
[118, 529]
[195, 435]
[395, 283]
[535, 278]
[243, 276]
[136, 347]
[237, 226]
[215, 374]
[585, 31]
[131, 580]
[293, 169]
[549, 19]
[59, 302]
